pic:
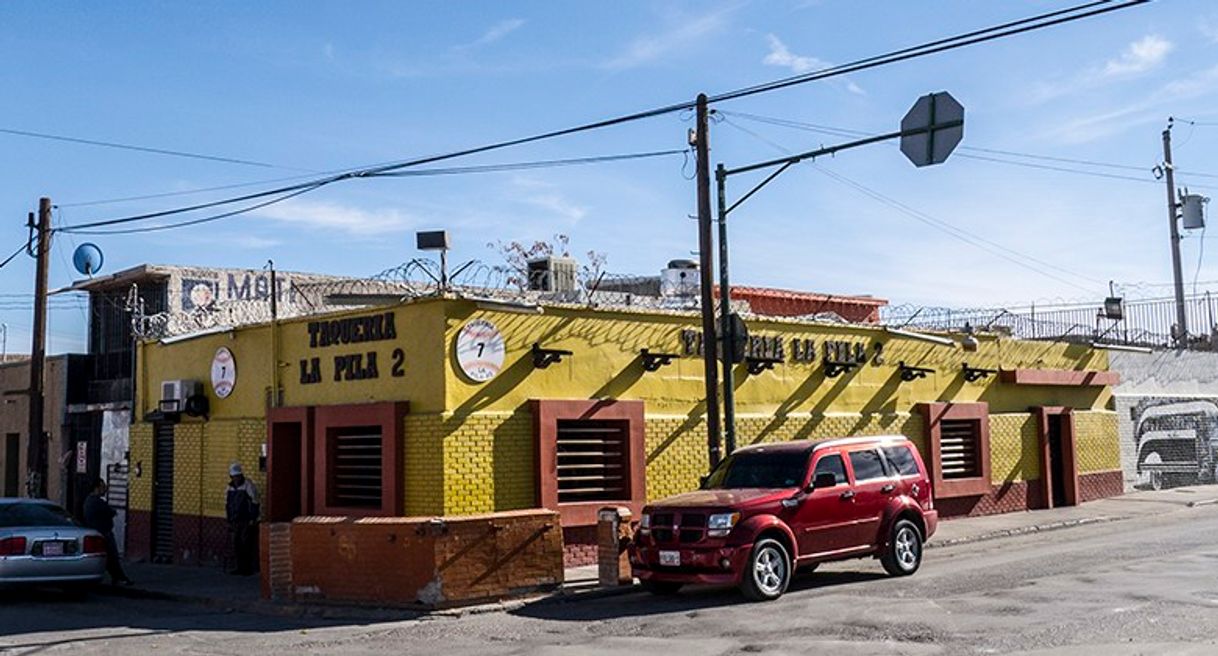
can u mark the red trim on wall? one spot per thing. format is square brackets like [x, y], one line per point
[546, 414]
[1069, 453]
[390, 417]
[933, 414]
[1086, 378]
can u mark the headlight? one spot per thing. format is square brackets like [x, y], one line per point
[645, 523]
[720, 525]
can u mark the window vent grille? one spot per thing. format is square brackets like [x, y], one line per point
[355, 474]
[958, 448]
[592, 460]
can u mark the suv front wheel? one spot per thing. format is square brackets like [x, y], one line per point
[903, 555]
[769, 571]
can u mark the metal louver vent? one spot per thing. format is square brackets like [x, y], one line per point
[592, 460]
[958, 448]
[355, 475]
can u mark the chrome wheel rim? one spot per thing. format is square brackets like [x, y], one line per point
[770, 570]
[907, 548]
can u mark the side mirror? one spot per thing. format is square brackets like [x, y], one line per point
[824, 479]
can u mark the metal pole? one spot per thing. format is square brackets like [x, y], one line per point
[706, 262]
[274, 335]
[4, 343]
[726, 329]
[1177, 275]
[36, 454]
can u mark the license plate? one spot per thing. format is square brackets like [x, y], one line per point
[52, 548]
[670, 558]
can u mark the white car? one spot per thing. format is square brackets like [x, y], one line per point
[41, 544]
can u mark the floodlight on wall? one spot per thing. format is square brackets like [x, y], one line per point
[922, 337]
[436, 240]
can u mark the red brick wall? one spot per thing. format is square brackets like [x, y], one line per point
[419, 561]
[1014, 497]
[579, 546]
[1101, 485]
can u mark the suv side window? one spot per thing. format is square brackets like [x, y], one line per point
[831, 464]
[902, 460]
[867, 465]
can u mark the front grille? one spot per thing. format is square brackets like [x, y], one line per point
[689, 527]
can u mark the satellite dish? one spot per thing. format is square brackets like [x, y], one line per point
[87, 259]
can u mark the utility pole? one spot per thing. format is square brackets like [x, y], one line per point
[36, 453]
[706, 263]
[726, 328]
[1169, 174]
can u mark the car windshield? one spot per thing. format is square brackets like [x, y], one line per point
[759, 469]
[14, 515]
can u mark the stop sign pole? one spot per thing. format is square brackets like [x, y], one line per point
[930, 131]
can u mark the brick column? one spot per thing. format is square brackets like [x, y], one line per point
[277, 561]
[612, 536]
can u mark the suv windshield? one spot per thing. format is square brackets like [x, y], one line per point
[760, 469]
[15, 515]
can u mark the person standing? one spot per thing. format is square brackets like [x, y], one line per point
[241, 506]
[99, 516]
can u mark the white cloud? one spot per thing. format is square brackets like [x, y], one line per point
[495, 33]
[558, 205]
[780, 55]
[332, 216]
[1208, 28]
[1140, 56]
[647, 49]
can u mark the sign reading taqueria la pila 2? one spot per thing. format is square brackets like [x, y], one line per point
[347, 366]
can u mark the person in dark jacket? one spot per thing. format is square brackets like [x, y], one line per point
[241, 506]
[99, 516]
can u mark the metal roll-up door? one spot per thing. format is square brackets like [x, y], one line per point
[162, 493]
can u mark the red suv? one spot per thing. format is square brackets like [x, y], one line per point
[768, 509]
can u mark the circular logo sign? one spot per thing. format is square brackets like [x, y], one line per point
[223, 372]
[480, 350]
[201, 294]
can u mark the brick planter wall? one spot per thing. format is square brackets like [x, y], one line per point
[412, 561]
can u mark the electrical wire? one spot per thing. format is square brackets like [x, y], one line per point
[147, 149]
[1040, 21]
[1200, 256]
[943, 226]
[15, 254]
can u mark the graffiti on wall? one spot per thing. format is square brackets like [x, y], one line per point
[1175, 441]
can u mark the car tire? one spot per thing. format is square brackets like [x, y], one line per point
[903, 554]
[768, 571]
[662, 588]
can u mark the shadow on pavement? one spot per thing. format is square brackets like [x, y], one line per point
[50, 612]
[636, 604]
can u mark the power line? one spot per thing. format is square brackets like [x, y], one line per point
[147, 149]
[1012, 28]
[955, 231]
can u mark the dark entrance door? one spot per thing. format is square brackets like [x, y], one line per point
[162, 493]
[1058, 473]
[12, 453]
[283, 497]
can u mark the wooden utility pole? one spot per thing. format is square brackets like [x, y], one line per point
[36, 453]
[706, 265]
[1169, 175]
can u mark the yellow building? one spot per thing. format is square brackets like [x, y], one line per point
[452, 406]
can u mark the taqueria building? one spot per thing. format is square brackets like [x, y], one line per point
[450, 406]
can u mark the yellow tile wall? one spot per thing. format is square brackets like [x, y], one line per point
[1014, 454]
[1096, 441]
[140, 490]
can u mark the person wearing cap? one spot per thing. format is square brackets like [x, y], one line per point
[241, 506]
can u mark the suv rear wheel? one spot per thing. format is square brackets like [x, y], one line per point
[903, 555]
[769, 571]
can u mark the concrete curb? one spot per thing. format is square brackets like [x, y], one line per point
[1202, 502]
[1024, 530]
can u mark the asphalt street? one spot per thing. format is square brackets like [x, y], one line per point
[1144, 586]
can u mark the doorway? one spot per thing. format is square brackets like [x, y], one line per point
[1059, 470]
[162, 493]
[12, 468]
[284, 472]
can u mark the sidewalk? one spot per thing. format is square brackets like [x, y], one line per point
[212, 587]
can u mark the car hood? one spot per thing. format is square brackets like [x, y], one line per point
[723, 498]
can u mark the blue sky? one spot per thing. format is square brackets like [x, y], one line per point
[318, 86]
